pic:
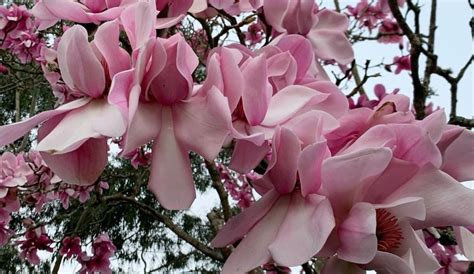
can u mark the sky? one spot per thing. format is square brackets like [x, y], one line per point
[453, 45]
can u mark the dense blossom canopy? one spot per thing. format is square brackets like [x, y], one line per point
[362, 184]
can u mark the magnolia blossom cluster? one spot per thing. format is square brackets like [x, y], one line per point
[237, 185]
[25, 180]
[18, 33]
[357, 186]
[35, 239]
[99, 261]
[376, 14]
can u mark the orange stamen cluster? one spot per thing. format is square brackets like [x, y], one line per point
[389, 233]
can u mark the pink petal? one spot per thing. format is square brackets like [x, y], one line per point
[423, 259]
[397, 173]
[376, 137]
[224, 73]
[458, 157]
[309, 167]
[304, 230]
[335, 265]
[447, 202]
[336, 104]
[434, 124]
[202, 123]
[9, 133]
[388, 263]
[360, 168]
[288, 101]
[274, 11]
[171, 179]
[257, 92]
[300, 48]
[246, 155]
[106, 39]
[83, 166]
[465, 240]
[240, 224]
[283, 166]
[253, 251]
[44, 16]
[80, 68]
[328, 44]
[310, 127]
[94, 120]
[331, 20]
[139, 22]
[358, 242]
[144, 127]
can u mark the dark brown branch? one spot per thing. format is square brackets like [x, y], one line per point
[419, 91]
[461, 121]
[430, 62]
[168, 222]
[217, 185]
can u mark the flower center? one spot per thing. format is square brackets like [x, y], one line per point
[389, 233]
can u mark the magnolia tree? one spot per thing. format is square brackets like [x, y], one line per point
[115, 111]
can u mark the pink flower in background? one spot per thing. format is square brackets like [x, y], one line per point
[363, 100]
[402, 63]
[71, 246]
[35, 239]
[237, 185]
[14, 172]
[254, 33]
[5, 233]
[367, 14]
[17, 33]
[324, 28]
[390, 32]
[102, 250]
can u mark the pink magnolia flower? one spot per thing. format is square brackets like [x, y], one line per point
[390, 32]
[291, 222]
[393, 108]
[236, 7]
[402, 63]
[385, 8]
[17, 32]
[102, 249]
[325, 29]
[368, 15]
[271, 81]
[363, 100]
[87, 69]
[386, 208]
[36, 239]
[49, 12]
[158, 90]
[254, 33]
[71, 246]
[237, 185]
[13, 172]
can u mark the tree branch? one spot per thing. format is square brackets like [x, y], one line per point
[419, 91]
[217, 185]
[168, 222]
